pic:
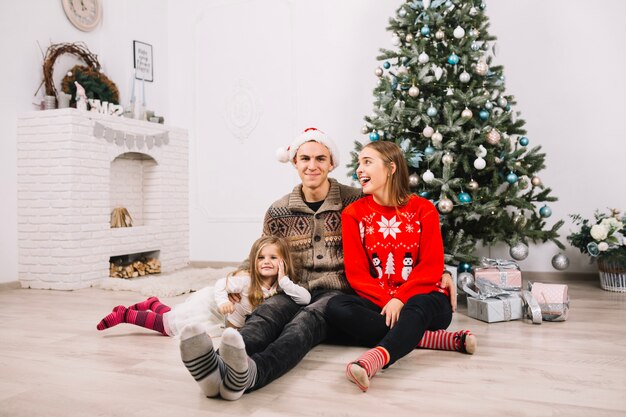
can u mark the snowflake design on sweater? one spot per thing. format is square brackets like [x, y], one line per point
[389, 227]
[409, 228]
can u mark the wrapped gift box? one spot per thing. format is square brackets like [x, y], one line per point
[506, 278]
[491, 310]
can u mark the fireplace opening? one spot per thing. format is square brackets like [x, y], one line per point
[135, 265]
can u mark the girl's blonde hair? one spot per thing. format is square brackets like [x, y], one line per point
[398, 184]
[255, 293]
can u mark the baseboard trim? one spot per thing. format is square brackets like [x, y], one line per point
[11, 285]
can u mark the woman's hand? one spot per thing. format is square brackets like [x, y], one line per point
[391, 311]
[448, 282]
[226, 308]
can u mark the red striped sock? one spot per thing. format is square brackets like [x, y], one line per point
[152, 303]
[146, 319]
[444, 340]
[373, 360]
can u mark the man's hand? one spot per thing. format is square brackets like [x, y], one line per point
[448, 282]
[391, 311]
[234, 298]
[226, 308]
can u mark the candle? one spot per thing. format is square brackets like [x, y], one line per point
[143, 91]
[132, 89]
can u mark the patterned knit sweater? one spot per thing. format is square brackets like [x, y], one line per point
[314, 237]
[392, 252]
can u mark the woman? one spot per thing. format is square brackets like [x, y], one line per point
[393, 255]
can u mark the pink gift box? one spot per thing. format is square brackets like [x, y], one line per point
[508, 279]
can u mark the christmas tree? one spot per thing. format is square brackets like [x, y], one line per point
[441, 98]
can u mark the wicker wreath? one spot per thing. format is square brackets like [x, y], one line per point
[96, 84]
[54, 51]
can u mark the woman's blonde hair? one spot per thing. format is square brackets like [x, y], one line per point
[255, 293]
[398, 184]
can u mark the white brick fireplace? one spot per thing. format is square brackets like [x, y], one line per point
[73, 168]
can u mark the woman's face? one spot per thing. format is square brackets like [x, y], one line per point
[373, 173]
[267, 261]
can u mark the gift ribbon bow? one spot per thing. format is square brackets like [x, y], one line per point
[498, 263]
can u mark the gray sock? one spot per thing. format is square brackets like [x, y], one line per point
[196, 351]
[240, 369]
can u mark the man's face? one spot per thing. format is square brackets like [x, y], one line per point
[313, 163]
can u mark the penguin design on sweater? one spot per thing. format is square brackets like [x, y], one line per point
[377, 268]
[407, 267]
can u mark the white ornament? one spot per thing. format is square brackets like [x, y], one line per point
[428, 131]
[423, 58]
[459, 32]
[395, 40]
[447, 159]
[480, 163]
[481, 152]
[438, 71]
[428, 176]
[414, 91]
[437, 138]
[464, 77]
[426, 4]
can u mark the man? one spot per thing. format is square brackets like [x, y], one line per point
[279, 333]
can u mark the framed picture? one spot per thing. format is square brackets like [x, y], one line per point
[143, 61]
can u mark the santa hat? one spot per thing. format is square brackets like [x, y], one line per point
[310, 134]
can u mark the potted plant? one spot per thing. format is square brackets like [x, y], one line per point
[602, 238]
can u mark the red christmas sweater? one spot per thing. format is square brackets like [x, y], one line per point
[392, 252]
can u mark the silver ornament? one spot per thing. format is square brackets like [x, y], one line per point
[447, 159]
[472, 185]
[445, 205]
[365, 130]
[464, 278]
[414, 180]
[409, 37]
[437, 138]
[536, 181]
[440, 34]
[402, 12]
[560, 261]
[464, 77]
[502, 102]
[519, 252]
[378, 71]
[466, 113]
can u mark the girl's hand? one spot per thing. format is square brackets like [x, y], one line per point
[281, 268]
[391, 311]
[226, 308]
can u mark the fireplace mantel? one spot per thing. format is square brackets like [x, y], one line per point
[66, 192]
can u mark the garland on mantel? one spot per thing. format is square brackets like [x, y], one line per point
[129, 139]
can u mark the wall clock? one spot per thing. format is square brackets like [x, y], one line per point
[84, 14]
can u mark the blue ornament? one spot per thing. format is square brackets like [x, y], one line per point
[425, 30]
[355, 176]
[405, 145]
[483, 115]
[511, 178]
[394, 83]
[431, 111]
[523, 141]
[374, 136]
[453, 59]
[545, 211]
[465, 197]
[429, 150]
[424, 194]
[507, 107]
[464, 267]
[415, 160]
[386, 65]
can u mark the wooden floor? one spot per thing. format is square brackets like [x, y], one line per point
[53, 362]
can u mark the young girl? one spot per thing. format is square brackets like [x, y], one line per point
[393, 309]
[270, 266]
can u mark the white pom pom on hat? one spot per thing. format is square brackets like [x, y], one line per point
[309, 134]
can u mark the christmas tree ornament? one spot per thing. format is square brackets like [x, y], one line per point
[502, 102]
[536, 181]
[426, 4]
[481, 151]
[523, 141]
[464, 77]
[378, 71]
[402, 12]
[374, 136]
[425, 31]
[560, 262]
[464, 279]
[464, 198]
[481, 67]
[437, 138]
[474, 33]
[519, 220]
[453, 59]
[414, 91]
[402, 70]
[365, 130]
[395, 39]
[428, 131]
[483, 115]
[497, 160]
[423, 58]
[493, 137]
[355, 176]
[475, 46]
[480, 163]
[497, 112]
[428, 176]
[447, 158]
[449, 91]
[429, 150]
[445, 205]
[511, 178]
[386, 65]
[473, 11]
[431, 111]
[523, 182]
[415, 160]
[545, 211]
[405, 145]
[519, 251]
[464, 267]
[458, 32]
[467, 113]
[483, 6]
[488, 105]
[438, 71]
[424, 194]
[472, 185]
[440, 34]
[409, 37]
[414, 180]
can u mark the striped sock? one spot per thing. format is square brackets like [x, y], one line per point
[204, 365]
[240, 370]
[461, 341]
[366, 366]
[152, 303]
[146, 319]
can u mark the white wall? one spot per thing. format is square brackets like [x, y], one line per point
[310, 63]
